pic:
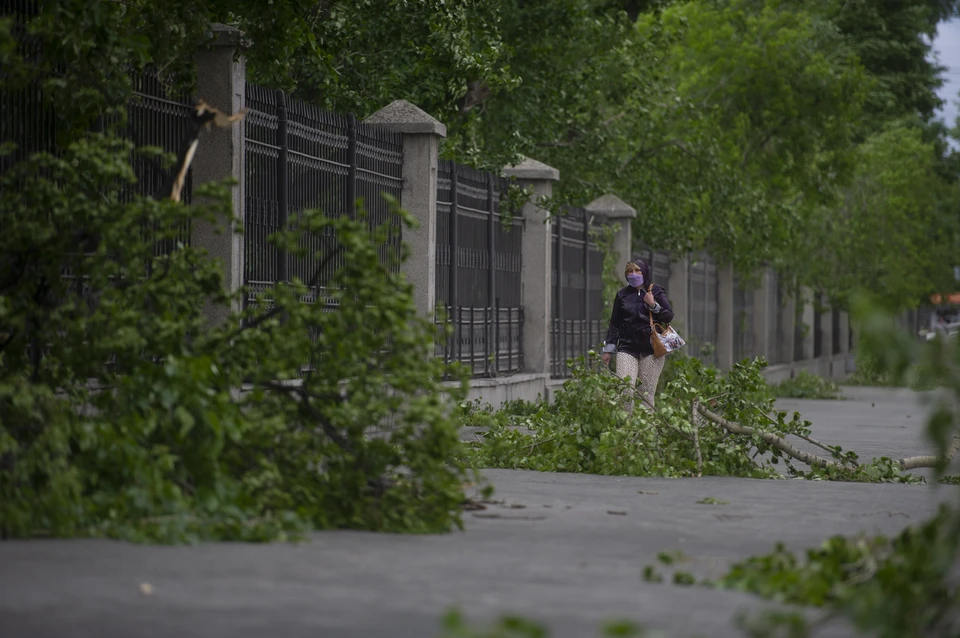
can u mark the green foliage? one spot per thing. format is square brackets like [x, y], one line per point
[651, 575]
[892, 41]
[456, 626]
[589, 429]
[712, 501]
[869, 372]
[806, 385]
[878, 470]
[895, 229]
[669, 558]
[896, 588]
[126, 411]
[161, 444]
[604, 235]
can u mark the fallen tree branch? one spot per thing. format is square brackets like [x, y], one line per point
[808, 439]
[914, 462]
[309, 411]
[278, 309]
[908, 463]
[696, 440]
[820, 445]
[771, 439]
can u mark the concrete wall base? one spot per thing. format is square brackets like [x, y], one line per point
[532, 386]
[837, 367]
[528, 386]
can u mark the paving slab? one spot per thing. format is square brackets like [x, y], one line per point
[562, 548]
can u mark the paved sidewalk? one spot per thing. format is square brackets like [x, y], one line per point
[567, 549]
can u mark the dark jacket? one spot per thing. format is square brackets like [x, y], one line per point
[629, 329]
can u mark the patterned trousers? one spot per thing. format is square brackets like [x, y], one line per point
[646, 370]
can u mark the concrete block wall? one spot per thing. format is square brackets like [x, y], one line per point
[221, 82]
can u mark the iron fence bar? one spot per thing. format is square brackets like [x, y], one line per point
[458, 334]
[352, 168]
[586, 277]
[491, 269]
[520, 339]
[454, 229]
[487, 336]
[154, 98]
[561, 331]
[496, 338]
[321, 160]
[250, 142]
[510, 338]
[372, 173]
[282, 202]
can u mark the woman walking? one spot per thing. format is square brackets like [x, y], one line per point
[629, 333]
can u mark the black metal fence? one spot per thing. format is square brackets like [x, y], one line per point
[300, 157]
[478, 270]
[577, 324]
[156, 117]
[160, 118]
[703, 309]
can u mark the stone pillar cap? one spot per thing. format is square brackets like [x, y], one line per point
[403, 117]
[532, 169]
[611, 207]
[226, 35]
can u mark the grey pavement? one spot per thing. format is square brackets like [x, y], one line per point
[565, 549]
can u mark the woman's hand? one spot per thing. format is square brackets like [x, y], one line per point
[649, 300]
[606, 358]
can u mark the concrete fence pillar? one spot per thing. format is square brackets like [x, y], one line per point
[621, 216]
[221, 83]
[535, 273]
[806, 316]
[844, 332]
[678, 291]
[826, 341]
[788, 319]
[726, 322]
[421, 144]
[764, 309]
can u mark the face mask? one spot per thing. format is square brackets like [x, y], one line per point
[635, 280]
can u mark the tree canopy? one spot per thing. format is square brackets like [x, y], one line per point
[734, 126]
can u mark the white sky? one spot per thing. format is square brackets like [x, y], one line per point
[947, 47]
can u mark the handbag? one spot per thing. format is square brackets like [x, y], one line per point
[663, 339]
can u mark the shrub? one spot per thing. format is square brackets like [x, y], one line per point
[588, 429]
[807, 386]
